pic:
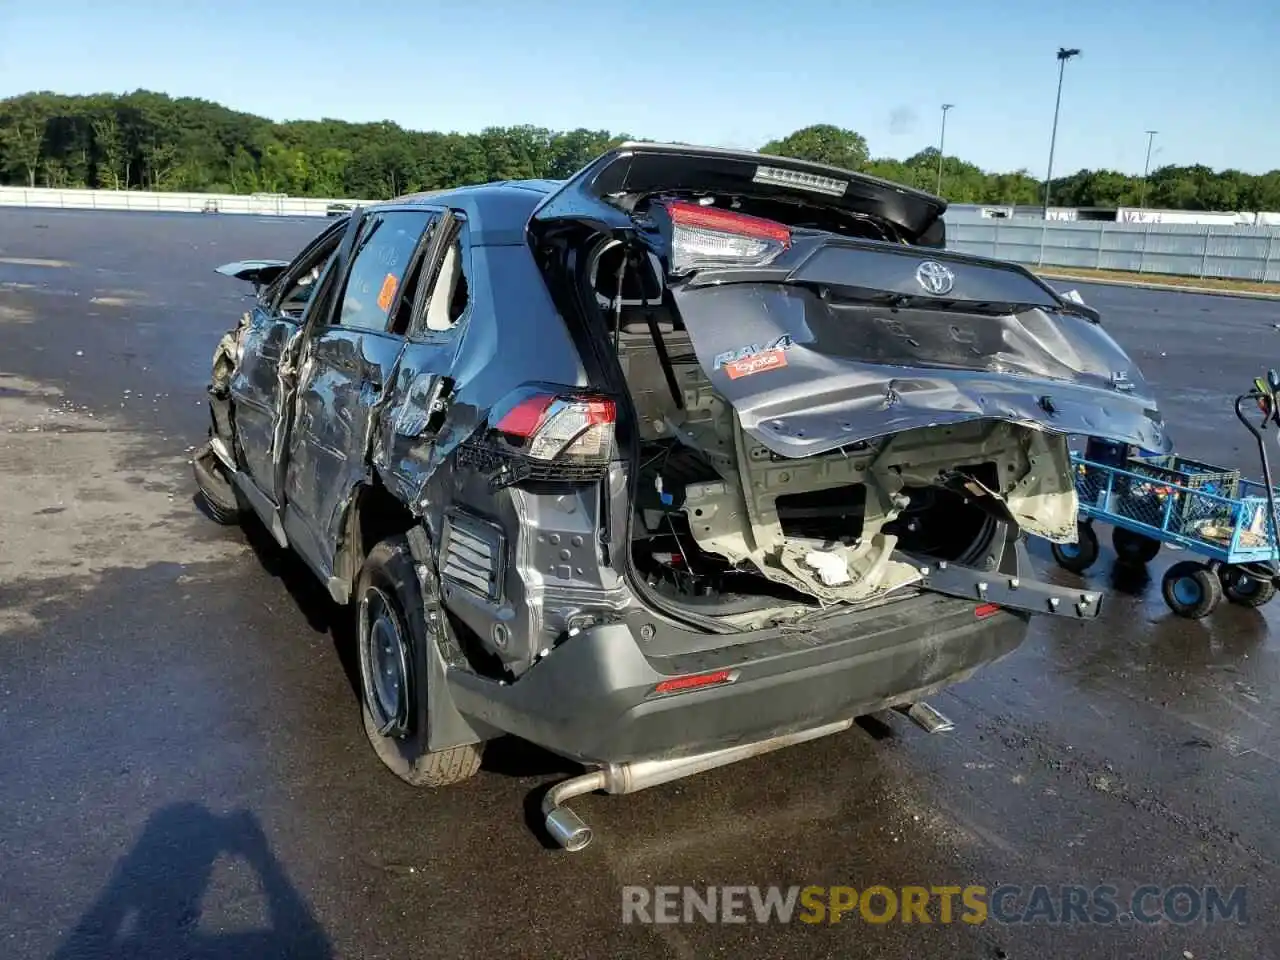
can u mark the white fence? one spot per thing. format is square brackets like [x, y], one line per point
[264, 204]
[1200, 250]
[1220, 218]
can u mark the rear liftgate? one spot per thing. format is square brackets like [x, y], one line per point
[861, 362]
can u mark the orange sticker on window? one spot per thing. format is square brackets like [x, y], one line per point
[388, 292]
[756, 363]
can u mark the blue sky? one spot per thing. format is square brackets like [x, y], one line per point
[726, 72]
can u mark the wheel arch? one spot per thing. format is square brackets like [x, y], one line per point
[373, 514]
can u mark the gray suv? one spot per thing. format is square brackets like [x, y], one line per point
[695, 455]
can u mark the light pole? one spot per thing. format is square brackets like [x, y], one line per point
[1064, 55]
[942, 143]
[1146, 167]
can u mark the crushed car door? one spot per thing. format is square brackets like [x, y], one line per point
[260, 382]
[406, 451]
[346, 366]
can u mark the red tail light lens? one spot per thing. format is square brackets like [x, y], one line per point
[707, 236]
[696, 216]
[525, 417]
[554, 427]
[984, 610]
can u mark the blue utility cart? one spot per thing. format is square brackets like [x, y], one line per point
[1207, 510]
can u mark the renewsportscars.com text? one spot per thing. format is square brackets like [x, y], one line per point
[1102, 904]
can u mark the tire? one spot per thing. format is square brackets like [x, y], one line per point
[217, 493]
[1081, 555]
[1133, 547]
[1245, 590]
[1191, 589]
[391, 639]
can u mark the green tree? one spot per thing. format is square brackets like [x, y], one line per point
[150, 140]
[823, 143]
[22, 129]
[109, 147]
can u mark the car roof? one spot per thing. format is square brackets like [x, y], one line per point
[497, 213]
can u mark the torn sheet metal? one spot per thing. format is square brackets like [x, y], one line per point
[257, 272]
[855, 371]
[737, 517]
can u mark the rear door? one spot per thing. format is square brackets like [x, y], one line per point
[259, 383]
[424, 388]
[347, 365]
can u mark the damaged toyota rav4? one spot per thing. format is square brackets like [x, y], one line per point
[695, 455]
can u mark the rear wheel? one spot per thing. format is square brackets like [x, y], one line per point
[1133, 547]
[1242, 588]
[394, 626]
[217, 493]
[1079, 556]
[1191, 589]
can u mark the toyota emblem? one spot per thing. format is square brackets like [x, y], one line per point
[935, 278]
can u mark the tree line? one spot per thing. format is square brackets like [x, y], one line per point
[151, 141]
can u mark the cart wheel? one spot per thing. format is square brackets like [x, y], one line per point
[1133, 547]
[1241, 587]
[1191, 589]
[1079, 556]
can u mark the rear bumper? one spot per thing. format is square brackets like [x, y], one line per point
[593, 698]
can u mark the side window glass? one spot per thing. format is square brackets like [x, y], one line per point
[378, 268]
[450, 294]
[301, 284]
[411, 289]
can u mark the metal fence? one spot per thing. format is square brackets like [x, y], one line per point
[1190, 250]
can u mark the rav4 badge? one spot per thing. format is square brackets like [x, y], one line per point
[754, 358]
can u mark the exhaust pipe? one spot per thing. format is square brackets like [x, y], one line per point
[927, 718]
[571, 833]
[565, 826]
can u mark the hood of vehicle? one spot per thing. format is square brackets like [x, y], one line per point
[636, 170]
[811, 361]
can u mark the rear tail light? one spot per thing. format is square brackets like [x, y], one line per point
[695, 682]
[984, 610]
[550, 427]
[704, 236]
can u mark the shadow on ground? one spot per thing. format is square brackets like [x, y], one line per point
[152, 904]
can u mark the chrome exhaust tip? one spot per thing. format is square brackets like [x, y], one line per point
[567, 829]
[927, 718]
[564, 826]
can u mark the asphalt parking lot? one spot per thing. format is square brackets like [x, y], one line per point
[183, 771]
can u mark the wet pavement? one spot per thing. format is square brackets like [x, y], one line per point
[183, 770]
